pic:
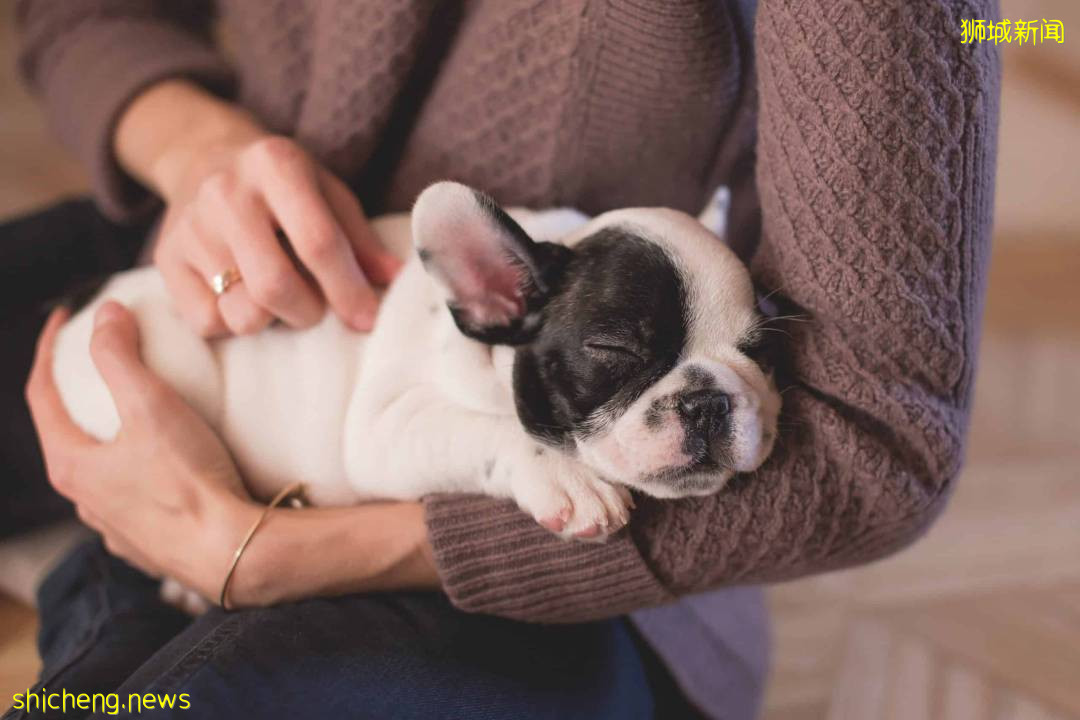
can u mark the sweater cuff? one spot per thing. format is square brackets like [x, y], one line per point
[100, 68]
[493, 558]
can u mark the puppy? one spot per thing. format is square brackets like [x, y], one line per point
[539, 356]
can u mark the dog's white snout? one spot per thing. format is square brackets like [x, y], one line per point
[747, 422]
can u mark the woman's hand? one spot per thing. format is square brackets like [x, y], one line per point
[229, 187]
[166, 496]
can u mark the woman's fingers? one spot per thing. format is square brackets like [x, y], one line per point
[114, 347]
[58, 435]
[227, 216]
[41, 372]
[233, 311]
[209, 255]
[50, 416]
[294, 195]
[193, 299]
[271, 285]
[241, 313]
[379, 264]
[189, 291]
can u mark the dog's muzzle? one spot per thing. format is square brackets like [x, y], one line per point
[706, 416]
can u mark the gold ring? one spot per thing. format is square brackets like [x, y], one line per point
[221, 282]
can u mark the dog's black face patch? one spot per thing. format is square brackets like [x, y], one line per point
[616, 324]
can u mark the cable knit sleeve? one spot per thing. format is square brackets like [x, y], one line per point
[88, 59]
[876, 155]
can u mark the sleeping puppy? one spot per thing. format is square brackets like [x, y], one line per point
[540, 356]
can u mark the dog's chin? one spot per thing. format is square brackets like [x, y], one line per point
[662, 463]
[682, 482]
[665, 470]
[678, 475]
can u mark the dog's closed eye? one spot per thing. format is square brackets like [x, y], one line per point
[612, 350]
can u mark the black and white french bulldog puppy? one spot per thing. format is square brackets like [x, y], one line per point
[579, 358]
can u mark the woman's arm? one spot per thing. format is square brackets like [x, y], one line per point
[876, 156]
[317, 552]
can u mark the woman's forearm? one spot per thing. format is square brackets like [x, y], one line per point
[333, 551]
[173, 124]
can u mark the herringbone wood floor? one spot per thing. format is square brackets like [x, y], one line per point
[979, 621]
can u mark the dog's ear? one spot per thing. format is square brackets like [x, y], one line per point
[496, 277]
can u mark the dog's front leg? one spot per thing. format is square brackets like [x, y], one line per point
[561, 492]
[419, 443]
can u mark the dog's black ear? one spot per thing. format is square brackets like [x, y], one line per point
[496, 277]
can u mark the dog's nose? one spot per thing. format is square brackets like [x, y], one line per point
[704, 405]
[705, 414]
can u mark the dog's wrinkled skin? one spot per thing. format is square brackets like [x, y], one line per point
[579, 358]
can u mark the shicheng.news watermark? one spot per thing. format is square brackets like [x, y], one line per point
[1022, 32]
[44, 701]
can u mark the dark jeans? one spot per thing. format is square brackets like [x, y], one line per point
[400, 655]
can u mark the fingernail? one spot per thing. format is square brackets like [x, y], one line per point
[107, 313]
[364, 320]
[391, 266]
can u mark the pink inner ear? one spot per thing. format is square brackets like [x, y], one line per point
[488, 291]
[470, 249]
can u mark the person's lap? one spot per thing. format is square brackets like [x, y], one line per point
[404, 656]
[401, 655]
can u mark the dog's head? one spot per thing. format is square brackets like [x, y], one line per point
[633, 337]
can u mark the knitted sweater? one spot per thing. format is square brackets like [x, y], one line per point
[858, 137]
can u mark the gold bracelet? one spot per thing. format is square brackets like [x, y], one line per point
[284, 493]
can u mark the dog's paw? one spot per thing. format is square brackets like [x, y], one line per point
[172, 592]
[570, 500]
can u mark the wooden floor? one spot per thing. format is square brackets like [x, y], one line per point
[981, 619]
